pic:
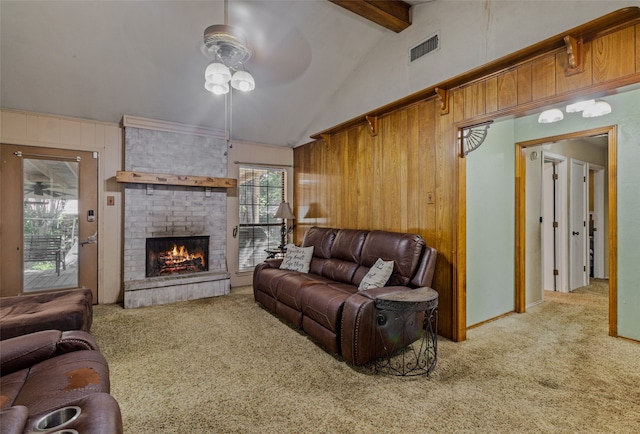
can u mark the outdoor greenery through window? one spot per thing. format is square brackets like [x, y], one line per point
[260, 192]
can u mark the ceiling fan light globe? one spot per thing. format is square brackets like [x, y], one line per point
[219, 89]
[243, 81]
[550, 116]
[599, 108]
[217, 73]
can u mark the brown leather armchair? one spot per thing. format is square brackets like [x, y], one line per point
[53, 380]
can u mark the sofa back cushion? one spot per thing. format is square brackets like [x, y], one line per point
[348, 245]
[404, 249]
[321, 239]
[345, 255]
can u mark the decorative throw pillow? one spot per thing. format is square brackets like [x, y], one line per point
[297, 258]
[377, 276]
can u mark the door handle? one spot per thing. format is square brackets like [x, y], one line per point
[235, 232]
[575, 233]
[92, 239]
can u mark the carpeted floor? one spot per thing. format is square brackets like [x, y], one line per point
[225, 365]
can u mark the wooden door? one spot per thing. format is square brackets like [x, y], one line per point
[48, 205]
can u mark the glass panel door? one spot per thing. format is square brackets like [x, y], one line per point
[50, 224]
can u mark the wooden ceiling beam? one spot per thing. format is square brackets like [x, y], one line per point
[392, 14]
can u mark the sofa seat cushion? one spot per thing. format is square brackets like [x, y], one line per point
[55, 382]
[323, 303]
[269, 279]
[290, 286]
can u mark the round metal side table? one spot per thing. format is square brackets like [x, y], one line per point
[420, 357]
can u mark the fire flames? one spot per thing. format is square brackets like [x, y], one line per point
[178, 260]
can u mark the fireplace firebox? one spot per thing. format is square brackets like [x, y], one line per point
[177, 255]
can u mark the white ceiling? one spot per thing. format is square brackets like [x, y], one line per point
[101, 60]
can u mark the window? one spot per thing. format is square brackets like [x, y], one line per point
[260, 192]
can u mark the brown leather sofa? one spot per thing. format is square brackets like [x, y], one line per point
[326, 303]
[62, 310]
[55, 381]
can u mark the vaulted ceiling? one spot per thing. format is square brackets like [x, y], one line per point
[101, 60]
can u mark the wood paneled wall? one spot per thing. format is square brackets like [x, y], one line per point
[354, 177]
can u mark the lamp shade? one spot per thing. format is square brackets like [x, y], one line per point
[284, 211]
[217, 73]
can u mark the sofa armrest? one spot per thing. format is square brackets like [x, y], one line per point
[13, 419]
[362, 339]
[25, 351]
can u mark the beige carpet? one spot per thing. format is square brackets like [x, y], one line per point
[596, 294]
[225, 365]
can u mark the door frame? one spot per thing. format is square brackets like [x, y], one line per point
[560, 247]
[520, 235]
[11, 264]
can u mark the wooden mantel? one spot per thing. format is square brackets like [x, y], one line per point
[167, 179]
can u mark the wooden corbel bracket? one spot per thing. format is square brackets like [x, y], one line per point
[373, 124]
[443, 97]
[326, 138]
[575, 55]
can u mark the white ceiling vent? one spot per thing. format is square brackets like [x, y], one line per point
[431, 44]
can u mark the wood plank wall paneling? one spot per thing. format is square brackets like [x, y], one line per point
[611, 64]
[543, 78]
[637, 56]
[354, 179]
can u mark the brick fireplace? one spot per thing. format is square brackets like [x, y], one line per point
[168, 215]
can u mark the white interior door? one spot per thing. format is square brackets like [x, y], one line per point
[548, 227]
[598, 229]
[578, 225]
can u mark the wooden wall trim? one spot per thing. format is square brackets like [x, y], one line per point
[587, 32]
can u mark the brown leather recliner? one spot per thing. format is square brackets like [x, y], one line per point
[326, 303]
[55, 381]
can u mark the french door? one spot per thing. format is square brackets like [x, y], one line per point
[48, 205]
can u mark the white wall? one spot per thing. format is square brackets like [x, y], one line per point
[472, 33]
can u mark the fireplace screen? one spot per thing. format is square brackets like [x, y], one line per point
[177, 255]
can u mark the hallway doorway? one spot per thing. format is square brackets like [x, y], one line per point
[557, 256]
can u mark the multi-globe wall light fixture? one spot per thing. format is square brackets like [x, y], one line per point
[590, 109]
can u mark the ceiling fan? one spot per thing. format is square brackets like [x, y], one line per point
[39, 189]
[257, 42]
[228, 47]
